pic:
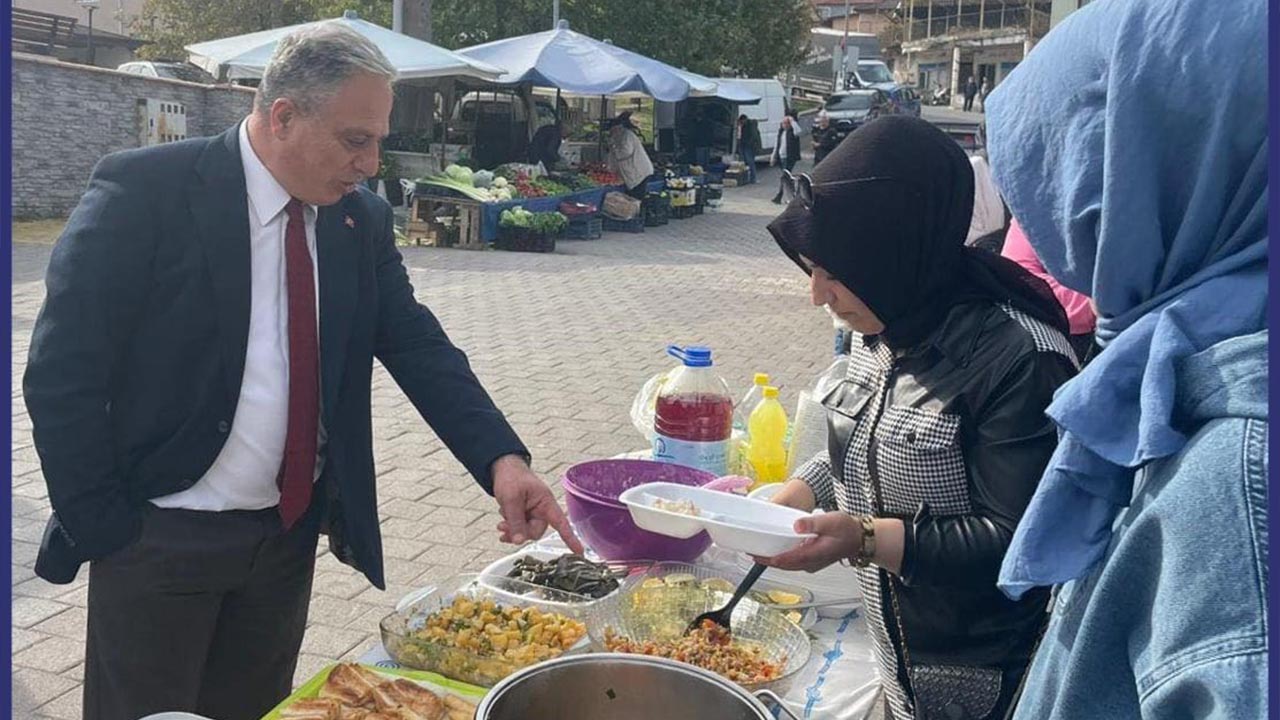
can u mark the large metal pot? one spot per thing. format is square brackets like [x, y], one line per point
[614, 686]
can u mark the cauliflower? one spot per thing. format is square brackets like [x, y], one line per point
[500, 182]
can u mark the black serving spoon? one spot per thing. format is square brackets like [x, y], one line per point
[721, 616]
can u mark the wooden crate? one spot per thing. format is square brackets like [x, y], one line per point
[444, 222]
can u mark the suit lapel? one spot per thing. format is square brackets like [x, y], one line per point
[338, 249]
[220, 208]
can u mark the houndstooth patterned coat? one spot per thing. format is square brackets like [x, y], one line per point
[951, 438]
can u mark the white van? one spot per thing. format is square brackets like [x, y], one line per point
[768, 113]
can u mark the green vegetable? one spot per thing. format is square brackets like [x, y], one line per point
[516, 217]
[459, 174]
[542, 223]
[465, 189]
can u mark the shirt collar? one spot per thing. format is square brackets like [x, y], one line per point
[267, 196]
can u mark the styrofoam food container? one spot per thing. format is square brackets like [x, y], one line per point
[766, 492]
[751, 526]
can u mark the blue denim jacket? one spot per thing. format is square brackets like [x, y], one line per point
[1173, 622]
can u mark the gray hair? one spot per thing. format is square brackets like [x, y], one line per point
[310, 65]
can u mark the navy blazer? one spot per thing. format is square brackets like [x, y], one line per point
[138, 352]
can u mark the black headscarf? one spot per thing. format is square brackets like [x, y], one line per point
[893, 203]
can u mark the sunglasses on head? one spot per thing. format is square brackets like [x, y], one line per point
[802, 185]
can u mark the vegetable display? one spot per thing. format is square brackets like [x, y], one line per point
[600, 174]
[541, 223]
[479, 185]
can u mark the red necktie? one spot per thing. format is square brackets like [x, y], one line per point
[299, 467]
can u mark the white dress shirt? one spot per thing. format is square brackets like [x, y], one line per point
[243, 477]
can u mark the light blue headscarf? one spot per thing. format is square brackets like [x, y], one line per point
[1131, 145]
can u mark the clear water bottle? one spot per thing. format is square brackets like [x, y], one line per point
[743, 409]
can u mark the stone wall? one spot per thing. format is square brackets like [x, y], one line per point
[66, 117]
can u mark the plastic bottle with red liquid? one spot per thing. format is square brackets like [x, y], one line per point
[693, 419]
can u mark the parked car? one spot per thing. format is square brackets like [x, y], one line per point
[167, 70]
[908, 101]
[872, 74]
[768, 113]
[875, 75]
[850, 109]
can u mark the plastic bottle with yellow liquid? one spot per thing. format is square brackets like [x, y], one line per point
[766, 451]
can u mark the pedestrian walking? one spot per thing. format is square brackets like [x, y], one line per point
[970, 92]
[748, 144]
[786, 153]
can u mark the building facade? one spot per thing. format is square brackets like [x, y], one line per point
[945, 42]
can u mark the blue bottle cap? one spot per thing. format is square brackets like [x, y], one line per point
[691, 355]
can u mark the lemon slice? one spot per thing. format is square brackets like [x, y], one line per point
[778, 597]
[718, 584]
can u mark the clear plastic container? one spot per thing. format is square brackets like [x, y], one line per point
[693, 416]
[742, 411]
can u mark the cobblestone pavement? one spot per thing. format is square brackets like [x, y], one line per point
[562, 341]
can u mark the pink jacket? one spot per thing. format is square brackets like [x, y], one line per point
[1018, 249]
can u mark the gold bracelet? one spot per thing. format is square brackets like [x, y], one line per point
[867, 552]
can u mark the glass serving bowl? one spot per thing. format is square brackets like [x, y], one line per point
[662, 613]
[724, 580]
[405, 637]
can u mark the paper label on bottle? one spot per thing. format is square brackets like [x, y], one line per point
[710, 456]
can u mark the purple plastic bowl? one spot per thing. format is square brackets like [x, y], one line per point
[608, 479]
[591, 492]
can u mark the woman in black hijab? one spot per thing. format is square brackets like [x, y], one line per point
[937, 436]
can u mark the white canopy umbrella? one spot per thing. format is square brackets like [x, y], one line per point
[246, 56]
[702, 86]
[581, 65]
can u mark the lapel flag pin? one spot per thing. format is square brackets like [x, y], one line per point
[350, 223]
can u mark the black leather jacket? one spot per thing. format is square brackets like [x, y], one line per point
[951, 437]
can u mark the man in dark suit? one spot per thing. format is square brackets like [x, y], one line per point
[199, 385]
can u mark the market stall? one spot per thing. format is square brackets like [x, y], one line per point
[578, 66]
[513, 196]
[246, 56]
[425, 88]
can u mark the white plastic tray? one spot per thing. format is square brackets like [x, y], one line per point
[494, 577]
[751, 526]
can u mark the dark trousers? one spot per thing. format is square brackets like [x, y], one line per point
[204, 613]
[749, 159]
[783, 189]
[968, 103]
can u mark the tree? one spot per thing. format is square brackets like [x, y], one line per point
[757, 38]
[752, 37]
[170, 25]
